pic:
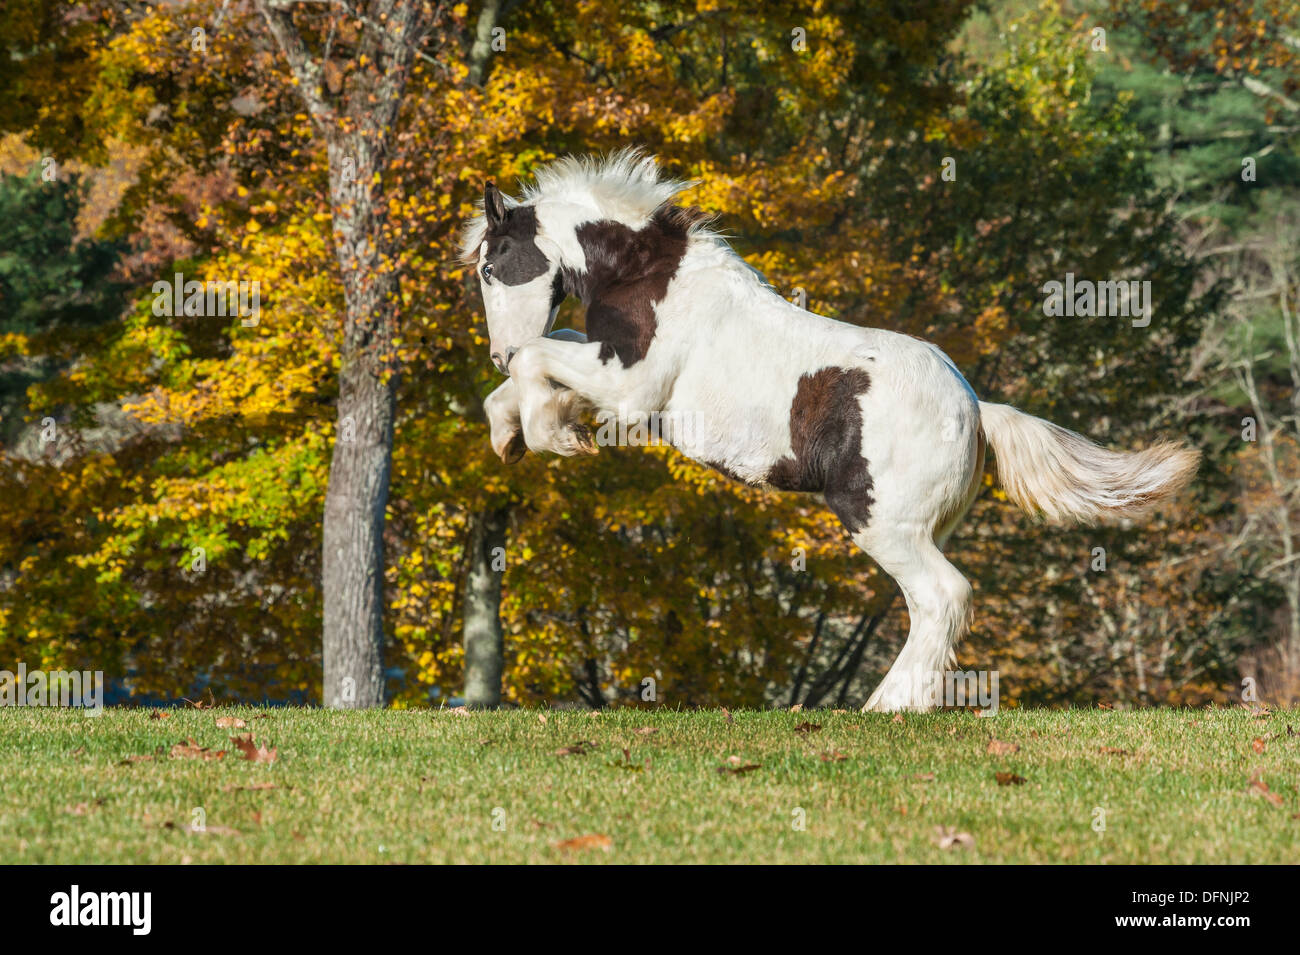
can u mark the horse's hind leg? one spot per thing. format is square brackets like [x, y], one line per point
[938, 605]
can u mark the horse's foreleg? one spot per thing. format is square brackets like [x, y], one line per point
[502, 410]
[549, 404]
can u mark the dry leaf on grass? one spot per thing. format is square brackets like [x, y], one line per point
[1258, 786]
[202, 704]
[1115, 751]
[797, 708]
[999, 747]
[1009, 779]
[254, 752]
[737, 766]
[727, 713]
[808, 728]
[160, 715]
[594, 840]
[230, 723]
[947, 837]
[188, 749]
[541, 718]
[1257, 744]
[578, 748]
[834, 756]
[81, 808]
[459, 710]
[646, 731]
[255, 787]
[924, 777]
[898, 718]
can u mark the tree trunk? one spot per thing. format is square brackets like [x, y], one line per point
[484, 641]
[357, 124]
[352, 575]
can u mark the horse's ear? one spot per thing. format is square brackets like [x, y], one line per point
[494, 206]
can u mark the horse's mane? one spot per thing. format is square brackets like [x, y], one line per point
[626, 186]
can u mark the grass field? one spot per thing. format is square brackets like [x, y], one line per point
[1175, 786]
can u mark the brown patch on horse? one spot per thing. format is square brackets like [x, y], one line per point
[826, 444]
[628, 271]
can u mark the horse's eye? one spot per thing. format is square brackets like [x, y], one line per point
[487, 270]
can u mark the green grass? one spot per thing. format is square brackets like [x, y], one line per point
[422, 786]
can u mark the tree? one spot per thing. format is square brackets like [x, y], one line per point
[357, 124]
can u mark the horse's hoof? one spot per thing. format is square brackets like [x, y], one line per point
[515, 449]
[582, 440]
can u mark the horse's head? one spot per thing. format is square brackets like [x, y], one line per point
[518, 270]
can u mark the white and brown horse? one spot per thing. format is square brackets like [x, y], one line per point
[882, 425]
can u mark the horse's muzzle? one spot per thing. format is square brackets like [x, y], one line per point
[503, 364]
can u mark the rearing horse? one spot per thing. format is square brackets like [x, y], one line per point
[882, 425]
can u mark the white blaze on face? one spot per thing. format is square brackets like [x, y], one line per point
[516, 313]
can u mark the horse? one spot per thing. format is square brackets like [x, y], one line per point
[881, 425]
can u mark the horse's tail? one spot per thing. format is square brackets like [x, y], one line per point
[1045, 468]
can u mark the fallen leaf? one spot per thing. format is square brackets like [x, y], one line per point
[1258, 785]
[1115, 751]
[808, 728]
[727, 713]
[646, 731]
[898, 718]
[1104, 706]
[797, 708]
[1009, 779]
[188, 749]
[579, 748]
[834, 756]
[541, 718]
[736, 766]
[459, 710]
[230, 723]
[252, 751]
[947, 837]
[1257, 744]
[999, 747]
[593, 840]
[135, 759]
[160, 715]
[81, 808]
[924, 777]
[255, 787]
[201, 705]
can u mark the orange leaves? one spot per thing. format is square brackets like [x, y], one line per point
[252, 751]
